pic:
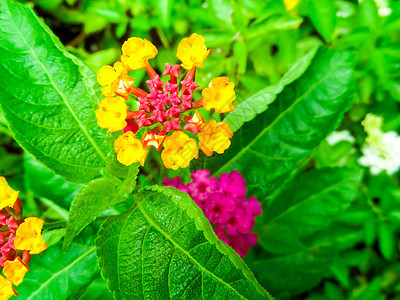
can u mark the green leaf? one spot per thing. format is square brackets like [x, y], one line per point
[368, 14]
[164, 8]
[387, 240]
[275, 22]
[267, 149]
[165, 248]
[52, 237]
[89, 203]
[57, 275]
[49, 99]
[219, 13]
[97, 290]
[259, 102]
[45, 184]
[341, 271]
[299, 271]
[307, 205]
[295, 272]
[240, 52]
[323, 15]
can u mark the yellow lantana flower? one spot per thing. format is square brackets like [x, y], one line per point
[136, 52]
[115, 80]
[7, 195]
[219, 95]
[112, 114]
[130, 149]
[15, 270]
[192, 52]
[6, 289]
[179, 150]
[29, 236]
[215, 137]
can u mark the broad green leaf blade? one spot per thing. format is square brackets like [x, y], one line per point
[307, 205]
[165, 248]
[259, 102]
[89, 203]
[45, 184]
[57, 275]
[48, 97]
[268, 149]
[323, 16]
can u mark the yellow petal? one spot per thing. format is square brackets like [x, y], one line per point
[136, 52]
[7, 195]
[107, 91]
[130, 149]
[112, 113]
[106, 75]
[120, 69]
[29, 236]
[215, 137]
[192, 52]
[15, 270]
[219, 95]
[6, 289]
[179, 150]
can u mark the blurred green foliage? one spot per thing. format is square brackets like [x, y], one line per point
[355, 255]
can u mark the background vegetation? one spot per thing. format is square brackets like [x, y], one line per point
[341, 242]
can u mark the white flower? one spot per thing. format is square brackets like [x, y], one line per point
[383, 156]
[338, 136]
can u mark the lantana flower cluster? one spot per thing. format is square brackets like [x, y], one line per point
[19, 238]
[381, 149]
[168, 109]
[224, 204]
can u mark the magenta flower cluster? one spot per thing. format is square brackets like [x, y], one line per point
[224, 204]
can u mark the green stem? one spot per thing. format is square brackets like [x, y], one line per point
[375, 209]
[163, 38]
[54, 225]
[63, 224]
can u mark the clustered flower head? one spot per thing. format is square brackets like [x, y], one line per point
[168, 111]
[19, 238]
[381, 149]
[224, 204]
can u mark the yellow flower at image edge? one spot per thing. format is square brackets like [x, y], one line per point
[6, 288]
[29, 236]
[179, 150]
[15, 270]
[7, 195]
[112, 114]
[136, 52]
[219, 95]
[215, 137]
[192, 52]
[130, 149]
